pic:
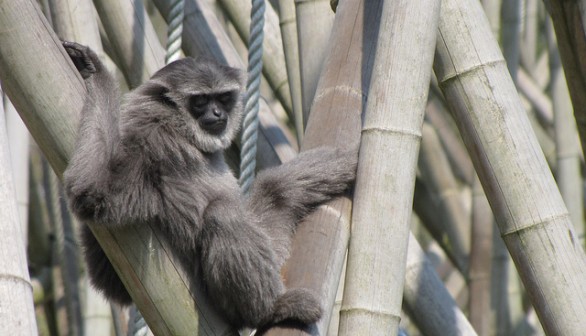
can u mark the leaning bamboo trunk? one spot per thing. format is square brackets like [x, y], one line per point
[527, 205]
[569, 20]
[39, 77]
[427, 301]
[17, 314]
[18, 141]
[133, 38]
[383, 197]
[479, 300]
[320, 244]
[288, 24]
[314, 26]
[568, 172]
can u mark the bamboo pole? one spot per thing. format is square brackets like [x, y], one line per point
[480, 261]
[17, 315]
[18, 142]
[288, 24]
[438, 177]
[314, 26]
[39, 76]
[525, 200]
[133, 38]
[569, 20]
[383, 196]
[334, 121]
[427, 301]
[568, 172]
[511, 34]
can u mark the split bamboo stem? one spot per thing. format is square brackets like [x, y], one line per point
[527, 205]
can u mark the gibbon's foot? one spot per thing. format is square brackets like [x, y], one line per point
[297, 304]
[83, 58]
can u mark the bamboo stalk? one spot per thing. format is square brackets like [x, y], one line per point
[568, 172]
[511, 34]
[18, 142]
[480, 261]
[525, 200]
[314, 26]
[427, 301]
[569, 20]
[454, 218]
[133, 38]
[335, 120]
[288, 24]
[16, 292]
[383, 197]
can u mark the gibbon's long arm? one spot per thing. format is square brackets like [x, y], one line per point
[99, 180]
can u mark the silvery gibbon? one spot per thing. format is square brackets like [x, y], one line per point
[156, 156]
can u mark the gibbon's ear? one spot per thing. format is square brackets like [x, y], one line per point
[160, 93]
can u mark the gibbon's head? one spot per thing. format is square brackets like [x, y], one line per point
[206, 97]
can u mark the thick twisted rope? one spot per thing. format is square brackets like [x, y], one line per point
[175, 31]
[137, 324]
[251, 107]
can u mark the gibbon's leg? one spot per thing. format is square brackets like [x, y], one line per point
[241, 273]
[283, 195]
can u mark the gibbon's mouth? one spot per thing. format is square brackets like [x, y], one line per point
[215, 127]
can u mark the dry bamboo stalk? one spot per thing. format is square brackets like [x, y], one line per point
[530, 212]
[511, 34]
[314, 26]
[288, 24]
[427, 301]
[492, 9]
[133, 38]
[501, 322]
[274, 67]
[383, 196]
[40, 76]
[568, 170]
[536, 97]
[437, 174]
[480, 261]
[17, 316]
[18, 142]
[569, 20]
[437, 115]
[335, 121]
[529, 34]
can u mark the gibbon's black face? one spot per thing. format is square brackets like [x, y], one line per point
[213, 110]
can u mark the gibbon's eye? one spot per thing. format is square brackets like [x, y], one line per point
[199, 101]
[226, 98]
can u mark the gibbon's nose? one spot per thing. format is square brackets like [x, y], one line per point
[217, 113]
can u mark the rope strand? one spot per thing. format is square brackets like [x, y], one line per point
[251, 107]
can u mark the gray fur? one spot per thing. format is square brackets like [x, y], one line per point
[152, 159]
